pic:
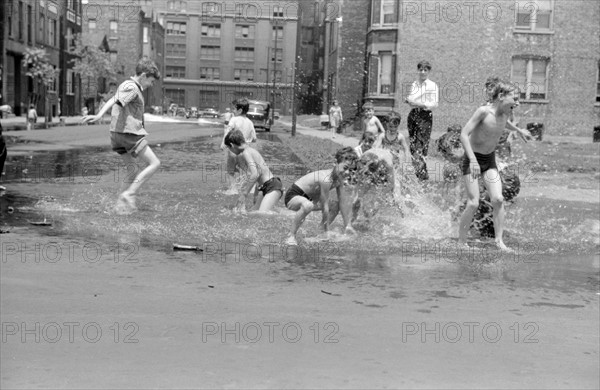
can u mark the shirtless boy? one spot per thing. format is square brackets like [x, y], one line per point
[311, 193]
[372, 125]
[479, 138]
[256, 171]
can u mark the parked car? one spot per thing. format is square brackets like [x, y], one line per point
[193, 112]
[208, 112]
[259, 114]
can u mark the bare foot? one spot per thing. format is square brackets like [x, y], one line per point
[500, 245]
[291, 241]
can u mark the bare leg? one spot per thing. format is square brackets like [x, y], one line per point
[303, 207]
[270, 200]
[492, 181]
[472, 187]
[231, 169]
[126, 202]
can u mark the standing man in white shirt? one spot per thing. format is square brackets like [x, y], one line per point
[423, 96]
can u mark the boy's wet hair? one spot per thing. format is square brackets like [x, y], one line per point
[241, 104]
[147, 66]
[235, 137]
[368, 106]
[346, 154]
[424, 64]
[370, 170]
[394, 121]
[501, 88]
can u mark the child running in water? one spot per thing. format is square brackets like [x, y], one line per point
[256, 172]
[479, 138]
[127, 132]
[311, 193]
[239, 122]
[372, 125]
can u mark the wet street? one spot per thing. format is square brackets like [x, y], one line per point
[96, 298]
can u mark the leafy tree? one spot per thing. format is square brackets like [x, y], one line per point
[40, 69]
[94, 66]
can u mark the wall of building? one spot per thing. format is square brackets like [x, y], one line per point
[479, 42]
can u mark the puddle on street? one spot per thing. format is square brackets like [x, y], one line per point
[556, 241]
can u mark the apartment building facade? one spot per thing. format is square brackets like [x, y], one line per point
[216, 52]
[550, 48]
[46, 24]
[127, 33]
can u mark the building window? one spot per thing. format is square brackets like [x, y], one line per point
[277, 11]
[210, 73]
[92, 24]
[69, 38]
[531, 77]
[209, 98]
[384, 12]
[534, 15]
[176, 50]
[210, 52]
[278, 55]
[41, 28]
[277, 32]
[177, 72]
[382, 80]
[210, 30]
[29, 24]
[244, 31]
[21, 21]
[70, 82]
[71, 4]
[598, 85]
[176, 28]
[177, 5]
[176, 96]
[244, 54]
[114, 28]
[243, 74]
[52, 32]
[145, 35]
[52, 86]
[333, 36]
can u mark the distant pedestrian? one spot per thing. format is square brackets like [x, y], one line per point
[424, 95]
[32, 117]
[127, 131]
[335, 118]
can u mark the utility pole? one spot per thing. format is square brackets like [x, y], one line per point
[276, 30]
[296, 87]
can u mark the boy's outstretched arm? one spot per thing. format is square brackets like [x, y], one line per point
[103, 110]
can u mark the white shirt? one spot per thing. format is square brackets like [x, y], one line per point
[426, 93]
[243, 124]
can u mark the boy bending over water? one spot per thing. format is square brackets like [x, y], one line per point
[311, 193]
[256, 171]
[479, 138]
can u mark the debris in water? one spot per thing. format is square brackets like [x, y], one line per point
[178, 247]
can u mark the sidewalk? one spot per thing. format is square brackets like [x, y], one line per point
[344, 140]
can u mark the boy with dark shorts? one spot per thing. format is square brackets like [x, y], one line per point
[256, 172]
[127, 132]
[479, 138]
[311, 193]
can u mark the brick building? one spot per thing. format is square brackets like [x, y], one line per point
[218, 51]
[44, 24]
[127, 33]
[551, 48]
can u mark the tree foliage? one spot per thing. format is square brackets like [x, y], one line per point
[92, 63]
[38, 65]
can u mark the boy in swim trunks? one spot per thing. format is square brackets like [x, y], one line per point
[255, 171]
[311, 193]
[127, 132]
[479, 138]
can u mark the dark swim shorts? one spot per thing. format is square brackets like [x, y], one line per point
[295, 191]
[128, 143]
[485, 161]
[273, 184]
